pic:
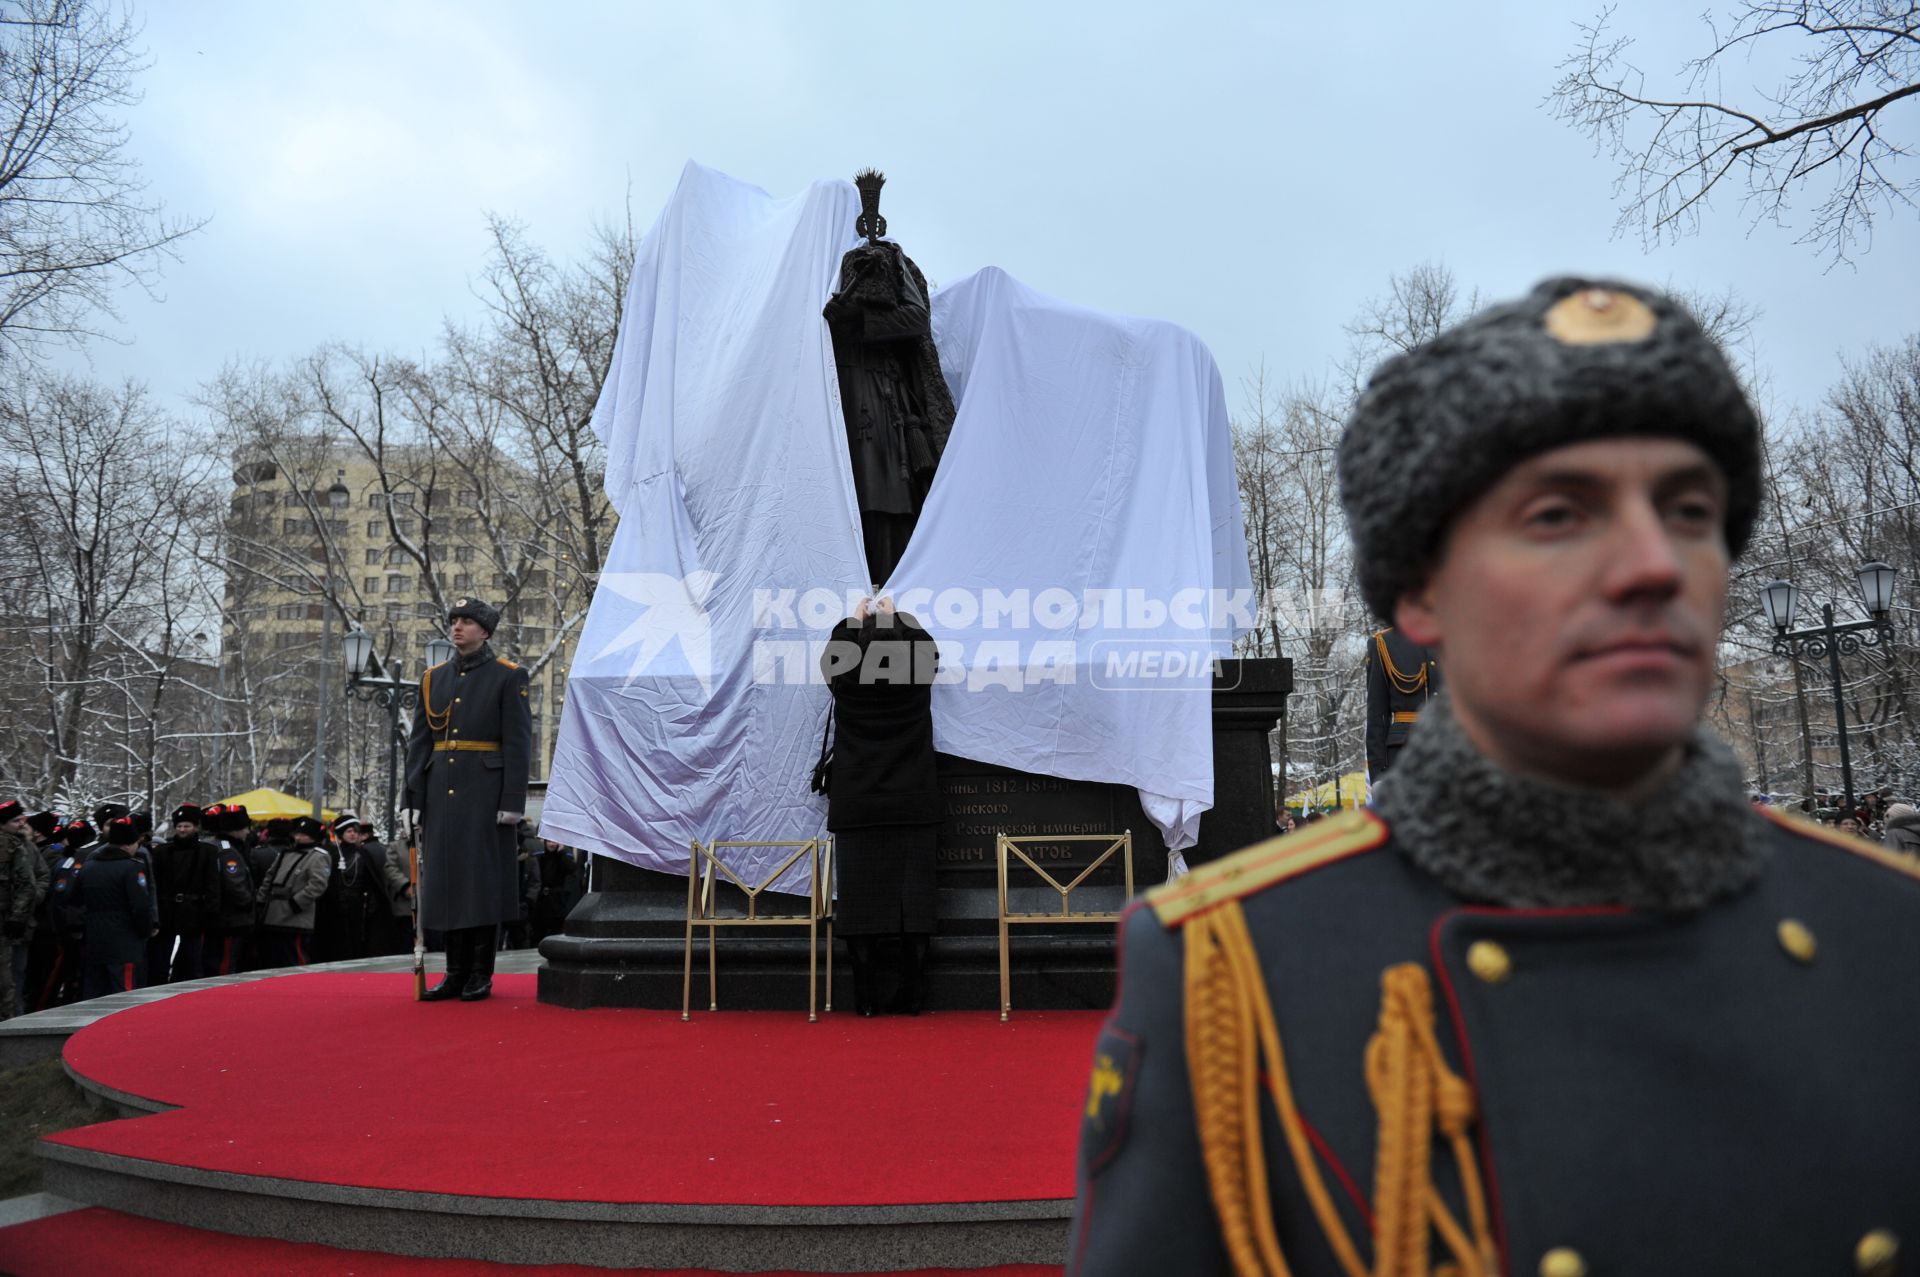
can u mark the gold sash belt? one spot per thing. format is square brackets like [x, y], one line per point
[483, 746]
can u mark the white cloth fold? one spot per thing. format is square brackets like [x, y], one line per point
[1090, 454]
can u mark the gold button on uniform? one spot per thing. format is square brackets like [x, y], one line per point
[1562, 1261]
[1489, 961]
[1797, 940]
[1876, 1252]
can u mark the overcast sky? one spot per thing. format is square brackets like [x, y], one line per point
[1252, 171]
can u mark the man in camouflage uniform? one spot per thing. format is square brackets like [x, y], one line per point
[18, 856]
[468, 759]
[1562, 1002]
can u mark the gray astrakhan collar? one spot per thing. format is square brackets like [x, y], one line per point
[1498, 838]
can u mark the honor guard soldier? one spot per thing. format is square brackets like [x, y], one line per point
[468, 758]
[115, 893]
[1562, 1002]
[1402, 677]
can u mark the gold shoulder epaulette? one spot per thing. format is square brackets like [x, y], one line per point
[1846, 842]
[504, 661]
[1264, 864]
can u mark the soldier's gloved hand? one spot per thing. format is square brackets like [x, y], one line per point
[506, 818]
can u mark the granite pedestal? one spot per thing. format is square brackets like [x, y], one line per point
[623, 943]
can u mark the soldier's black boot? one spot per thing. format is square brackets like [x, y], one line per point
[482, 944]
[459, 968]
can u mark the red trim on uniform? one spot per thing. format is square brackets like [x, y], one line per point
[53, 977]
[1466, 1048]
[1325, 1151]
[226, 956]
[126, 978]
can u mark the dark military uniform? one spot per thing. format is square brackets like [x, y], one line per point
[66, 920]
[116, 895]
[18, 856]
[1402, 677]
[468, 758]
[186, 875]
[1726, 1091]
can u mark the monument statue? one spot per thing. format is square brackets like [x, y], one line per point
[897, 407]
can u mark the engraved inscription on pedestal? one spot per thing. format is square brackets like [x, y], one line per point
[985, 801]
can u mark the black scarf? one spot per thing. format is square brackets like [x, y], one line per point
[1524, 842]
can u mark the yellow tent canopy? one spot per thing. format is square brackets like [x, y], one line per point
[272, 804]
[1349, 790]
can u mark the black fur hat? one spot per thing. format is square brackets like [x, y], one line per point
[480, 613]
[1574, 360]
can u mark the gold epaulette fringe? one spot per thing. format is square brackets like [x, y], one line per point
[1893, 860]
[1233, 1041]
[504, 661]
[1263, 864]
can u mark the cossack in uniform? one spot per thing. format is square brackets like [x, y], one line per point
[114, 893]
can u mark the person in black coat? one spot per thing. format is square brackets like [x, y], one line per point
[186, 876]
[66, 920]
[115, 894]
[883, 798]
[230, 931]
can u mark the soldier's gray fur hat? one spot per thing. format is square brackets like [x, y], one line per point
[481, 614]
[1574, 360]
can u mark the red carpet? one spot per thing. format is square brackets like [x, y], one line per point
[85, 1242]
[345, 1079]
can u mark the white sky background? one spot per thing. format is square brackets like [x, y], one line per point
[1252, 171]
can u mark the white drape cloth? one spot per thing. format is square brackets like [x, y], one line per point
[1081, 535]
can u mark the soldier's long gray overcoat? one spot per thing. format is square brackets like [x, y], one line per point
[467, 760]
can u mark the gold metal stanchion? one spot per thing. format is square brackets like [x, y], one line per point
[1006, 845]
[704, 871]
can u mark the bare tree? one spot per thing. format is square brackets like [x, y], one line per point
[108, 589]
[75, 222]
[1824, 126]
[1286, 444]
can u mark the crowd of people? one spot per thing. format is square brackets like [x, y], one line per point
[1878, 817]
[103, 905]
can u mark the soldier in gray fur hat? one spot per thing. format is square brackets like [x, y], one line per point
[1562, 1002]
[468, 758]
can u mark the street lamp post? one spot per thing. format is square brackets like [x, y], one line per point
[392, 694]
[337, 499]
[1781, 599]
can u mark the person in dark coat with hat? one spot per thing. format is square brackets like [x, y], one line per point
[114, 892]
[18, 896]
[468, 758]
[1562, 1002]
[1402, 677]
[289, 895]
[230, 928]
[186, 876]
[884, 804]
[66, 920]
